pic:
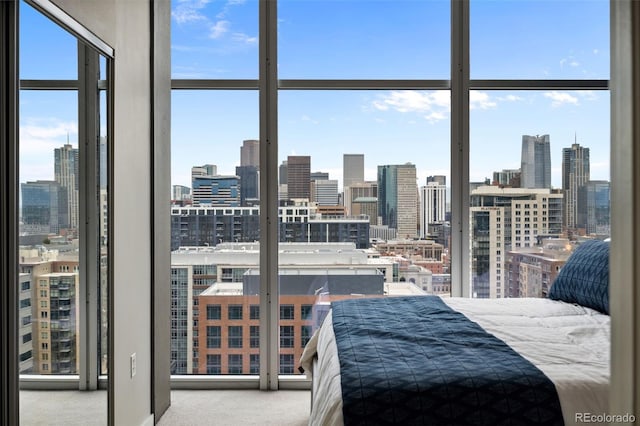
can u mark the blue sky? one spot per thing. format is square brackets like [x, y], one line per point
[355, 39]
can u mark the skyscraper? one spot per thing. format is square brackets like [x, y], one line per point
[66, 174]
[433, 199]
[368, 189]
[575, 173]
[216, 191]
[536, 162]
[397, 198]
[207, 170]
[298, 176]
[594, 207]
[180, 193]
[44, 207]
[439, 179]
[319, 176]
[507, 177]
[325, 192]
[352, 169]
[250, 153]
[282, 173]
[249, 184]
[504, 219]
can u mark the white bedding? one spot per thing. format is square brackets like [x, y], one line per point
[569, 343]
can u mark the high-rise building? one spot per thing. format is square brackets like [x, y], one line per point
[504, 219]
[352, 169]
[222, 191]
[298, 176]
[249, 184]
[318, 176]
[53, 314]
[507, 177]
[439, 179]
[180, 192]
[368, 189]
[530, 272]
[66, 174]
[301, 222]
[366, 206]
[44, 207]
[222, 335]
[536, 162]
[575, 173]
[325, 192]
[250, 153]
[208, 170]
[433, 202]
[397, 198]
[282, 173]
[25, 332]
[594, 207]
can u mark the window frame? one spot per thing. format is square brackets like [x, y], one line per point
[459, 85]
[90, 49]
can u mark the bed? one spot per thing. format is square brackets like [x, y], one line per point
[432, 360]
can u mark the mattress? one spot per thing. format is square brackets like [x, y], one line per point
[567, 342]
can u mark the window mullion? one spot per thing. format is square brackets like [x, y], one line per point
[268, 83]
[460, 266]
[88, 219]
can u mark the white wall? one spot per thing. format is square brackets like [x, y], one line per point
[125, 26]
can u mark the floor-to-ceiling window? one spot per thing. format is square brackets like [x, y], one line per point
[63, 208]
[539, 141]
[323, 150]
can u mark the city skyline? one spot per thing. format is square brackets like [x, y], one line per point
[211, 125]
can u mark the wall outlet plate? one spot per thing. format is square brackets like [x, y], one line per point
[133, 364]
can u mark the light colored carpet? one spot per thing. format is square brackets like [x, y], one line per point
[64, 408]
[237, 408]
[188, 408]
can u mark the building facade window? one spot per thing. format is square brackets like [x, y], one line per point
[287, 312]
[235, 312]
[235, 336]
[214, 365]
[286, 364]
[286, 336]
[213, 336]
[254, 336]
[235, 364]
[254, 312]
[213, 312]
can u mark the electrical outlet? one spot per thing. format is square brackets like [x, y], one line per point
[133, 364]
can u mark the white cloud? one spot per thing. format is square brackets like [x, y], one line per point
[244, 38]
[510, 98]
[434, 117]
[588, 95]
[55, 129]
[189, 11]
[38, 139]
[434, 106]
[480, 100]
[561, 98]
[219, 29]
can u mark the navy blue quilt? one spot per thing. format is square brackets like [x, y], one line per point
[414, 360]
